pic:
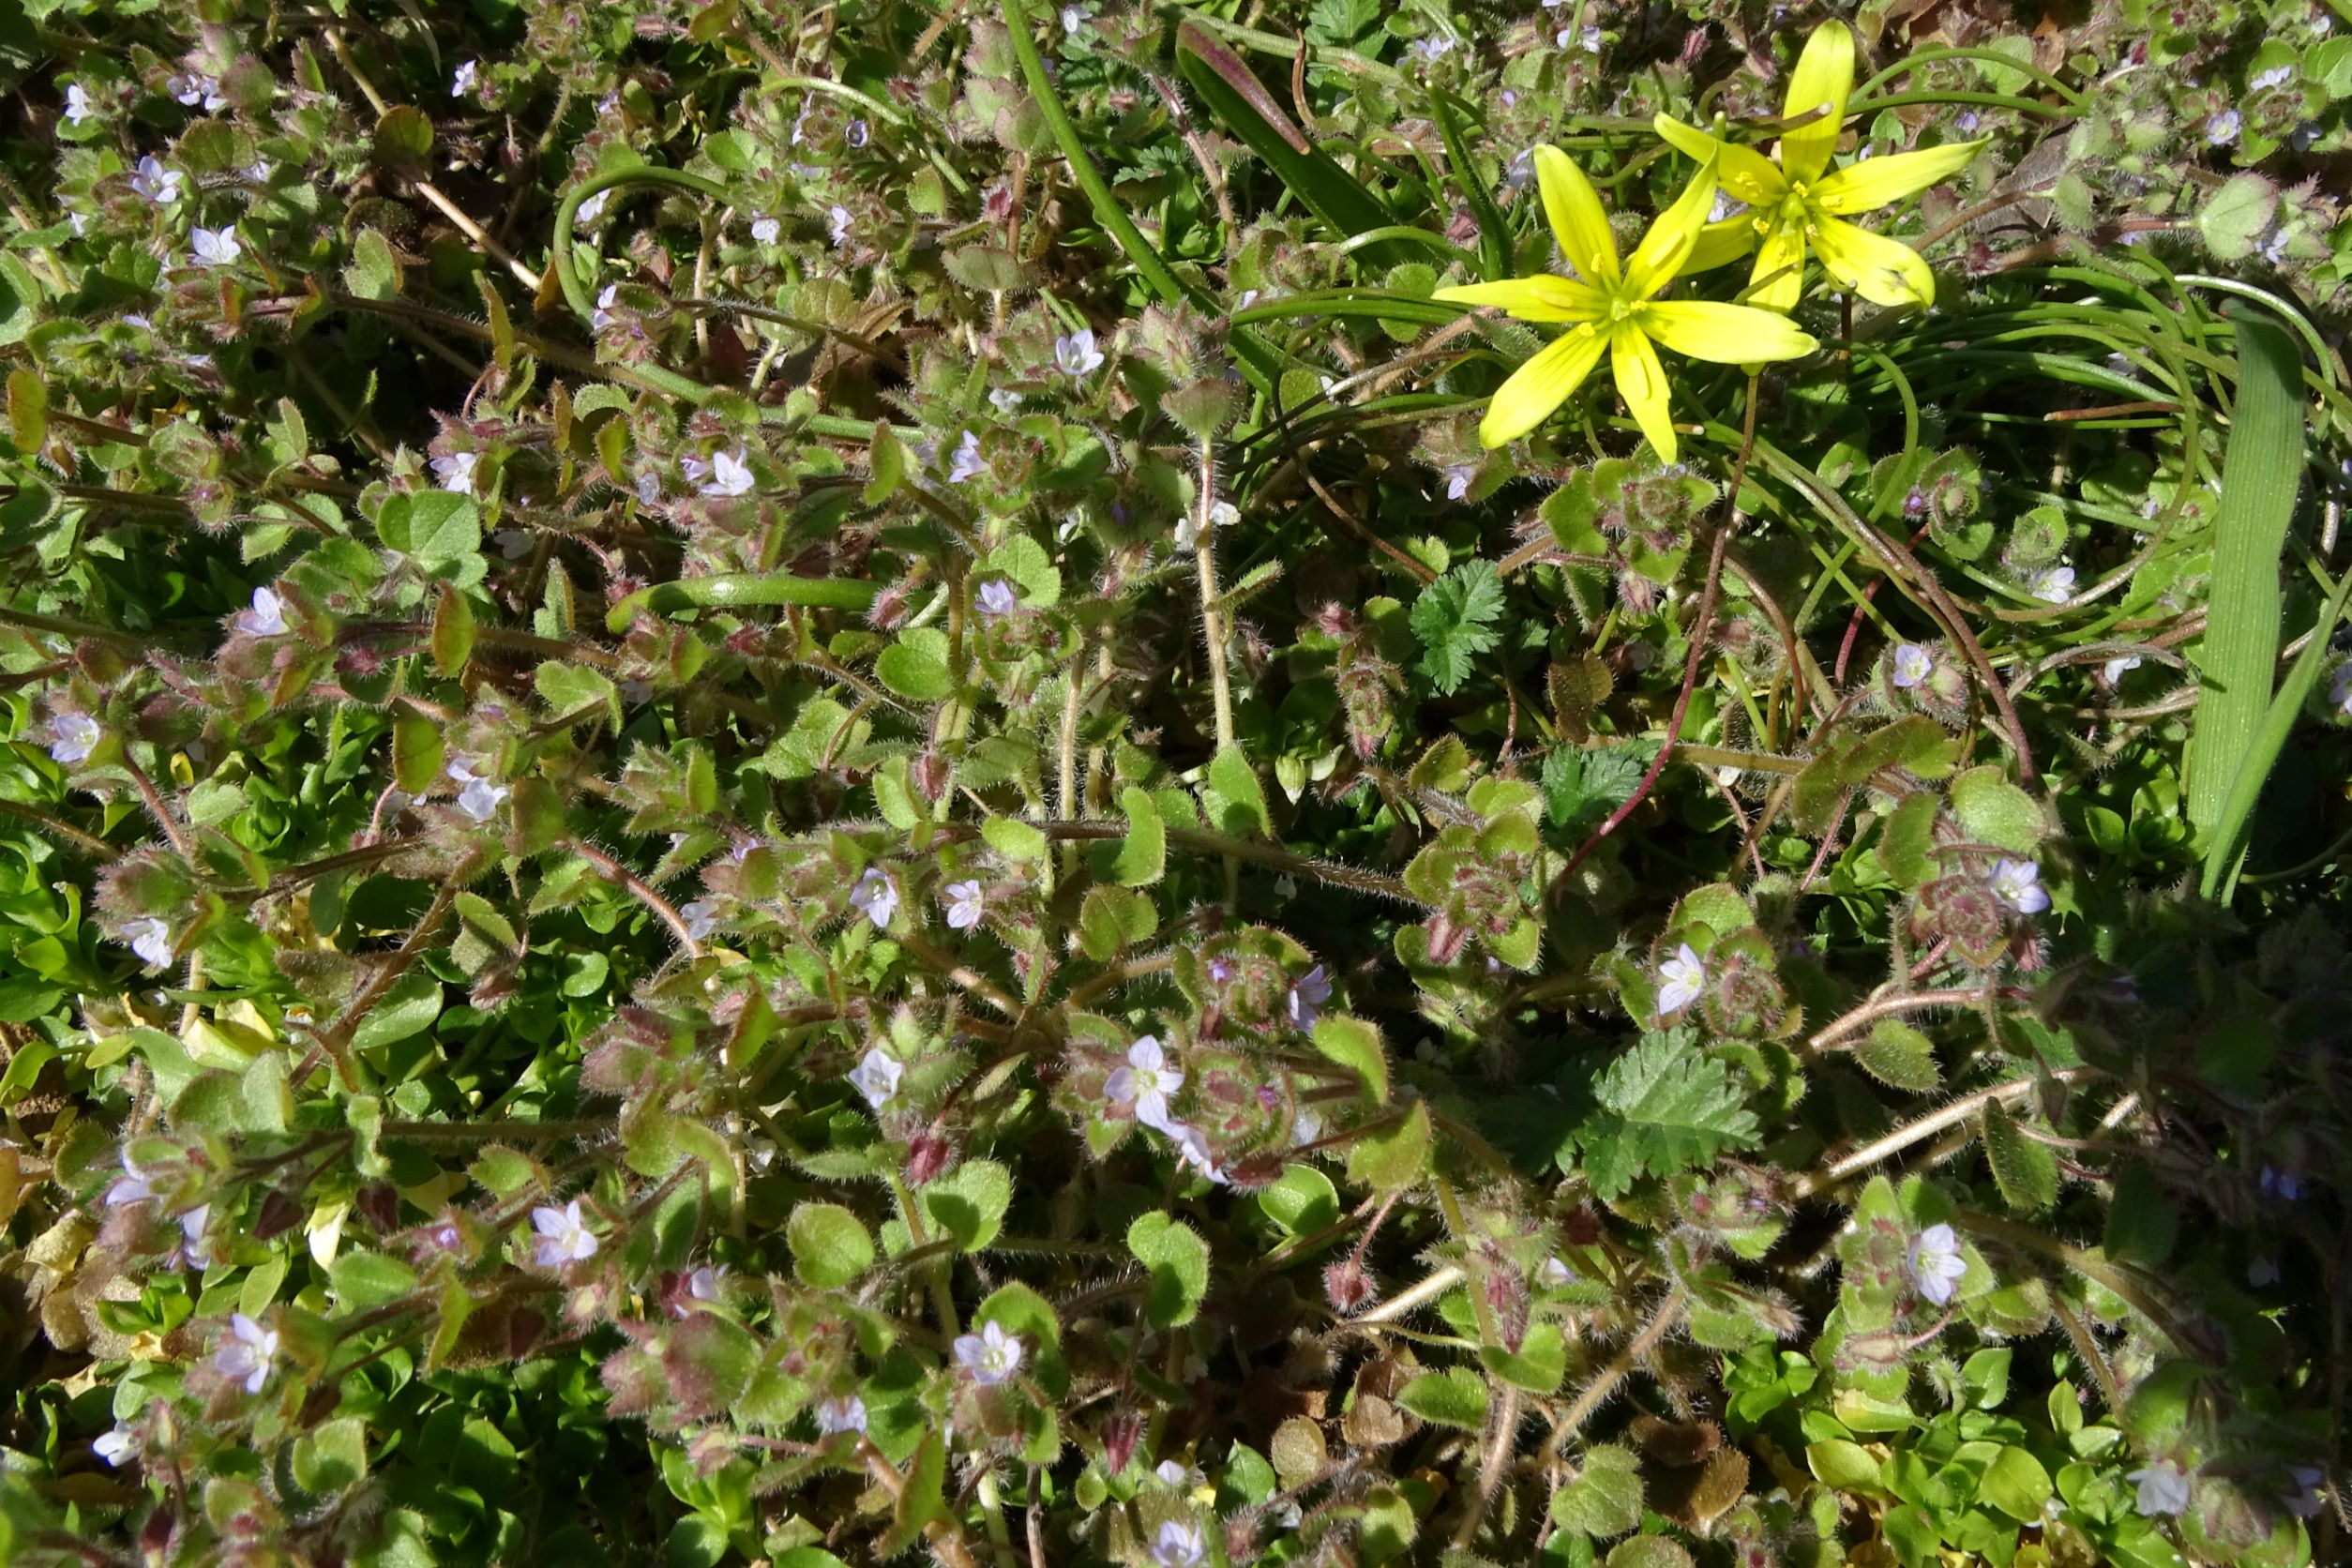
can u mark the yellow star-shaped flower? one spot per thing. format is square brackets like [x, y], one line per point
[1614, 309]
[1801, 203]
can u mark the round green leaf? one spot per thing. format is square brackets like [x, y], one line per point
[831, 1247]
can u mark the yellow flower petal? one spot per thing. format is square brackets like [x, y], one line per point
[1540, 385]
[1575, 210]
[1725, 334]
[1641, 382]
[1745, 172]
[1668, 245]
[1875, 181]
[1823, 80]
[1721, 243]
[1883, 271]
[1541, 298]
[1778, 280]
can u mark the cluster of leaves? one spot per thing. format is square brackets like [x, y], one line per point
[786, 781]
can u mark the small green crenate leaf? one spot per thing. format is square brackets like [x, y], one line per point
[2026, 1170]
[1243, 796]
[969, 1202]
[1301, 1200]
[831, 1247]
[1394, 1159]
[1606, 1498]
[1455, 1397]
[1178, 1260]
[1140, 858]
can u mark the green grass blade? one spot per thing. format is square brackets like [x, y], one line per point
[2260, 475]
[1240, 103]
[2245, 791]
[1494, 238]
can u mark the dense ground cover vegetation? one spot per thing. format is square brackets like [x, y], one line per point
[1173, 784]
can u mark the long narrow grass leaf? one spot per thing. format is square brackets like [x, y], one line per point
[2259, 477]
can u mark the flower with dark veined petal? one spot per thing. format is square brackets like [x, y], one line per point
[1684, 976]
[966, 464]
[845, 1415]
[1912, 664]
[564, 1236]
[455, 472]
[2018, 884]
[1612, 308]
[1936, 1263]
[967, 901]
[1177, 1545]
[1306, 997]
[156, 183]
[2052, 584]
[1145, 1082]
[150, 939]
[1076, 355]
[72, 737]
[991, 1355]
[267, 618]
[876, 897]
[877, 1077]
[247, 1354]
[2163, 1488]
[215, 246]
[1800, 202]
[997, 598]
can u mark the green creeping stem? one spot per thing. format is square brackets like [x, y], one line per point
[742, 588]
[575, 286]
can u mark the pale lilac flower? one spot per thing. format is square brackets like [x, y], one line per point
[2018, 884]
[996, 600]
[2281, 1183]
[1192, 1149]
[151, 940]
[116, 1446]
[1429, 50]
[855, 134]
[2163, 1488]
[1519, 171]
[844, 1415]
[649, 488]
[154, 182]
[601, 317]
[1305, 1127]
[2339, 692]
[1221, 970]
[1306, 997]
[477, 796]
[267, 618]
[966, 902]
[72, 737]
[1912, 664]
[1555, 1275]
[1072, 20]
[1968, 122]
[767, 231]
[838, 219]
[1177, 1545]
[2277, 76]
[1685, 976]
[192, 1236]
[876, 897]
[1004, 398]
[1458, 479]
[966, 464]
[705, 1283]
[132, 1187]
[2052, 584]
[1936, 1263]
[2113, 670]
[1145, 1082]
[2305, 1501]
[1075, 355]
[247, 1354]
[1174, 1473]
[455, 472]
[447, 1236]
[877, 1077]
[1726, 206]
[79, 106]
[1192, 531]
[731, 474]
[701, 916]
[592, 209]
[190, 88]
[462, 82]
[564, 1236]
[2220, 131]
[991, 1355]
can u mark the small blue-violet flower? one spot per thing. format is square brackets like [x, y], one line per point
[2018, 884]
[1911, 664]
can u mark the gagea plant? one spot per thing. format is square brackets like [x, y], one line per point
[801, 786]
